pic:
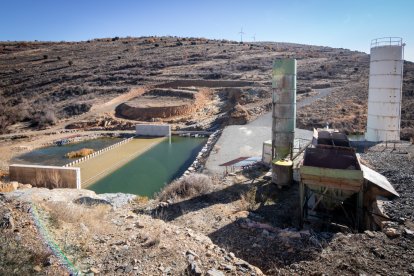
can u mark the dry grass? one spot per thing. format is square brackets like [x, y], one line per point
[248, 200]
[62, 212]
[141, 200]
[190, 186]
[79, 153]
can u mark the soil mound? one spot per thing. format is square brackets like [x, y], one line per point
[161, 103]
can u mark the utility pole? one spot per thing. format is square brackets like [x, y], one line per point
[241, 34]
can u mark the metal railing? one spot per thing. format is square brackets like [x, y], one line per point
[386, 41]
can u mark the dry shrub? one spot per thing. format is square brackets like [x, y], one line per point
[141, 199]
[79, 153]
[189, 186]
[63, 212]
[248, 200]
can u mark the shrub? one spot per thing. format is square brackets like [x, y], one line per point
[70, 63]
[59, 58]
[189, 186]
[79, 153]
[42, 119]
[45, 56]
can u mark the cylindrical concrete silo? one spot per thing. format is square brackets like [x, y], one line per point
[385, 89]
[284, 108]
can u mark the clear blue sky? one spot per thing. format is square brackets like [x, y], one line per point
[337, 23]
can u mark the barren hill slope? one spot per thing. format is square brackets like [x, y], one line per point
[41, 82]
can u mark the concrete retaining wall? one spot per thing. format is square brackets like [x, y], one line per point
[46, 176]
[153, 130]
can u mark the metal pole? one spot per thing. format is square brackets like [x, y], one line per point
[301, 196]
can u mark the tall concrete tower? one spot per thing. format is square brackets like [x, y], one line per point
[283, 119]
[385, 89]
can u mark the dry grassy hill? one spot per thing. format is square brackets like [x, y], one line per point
[42, 82]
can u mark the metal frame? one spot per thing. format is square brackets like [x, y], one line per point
[305, 194]
[386, 41]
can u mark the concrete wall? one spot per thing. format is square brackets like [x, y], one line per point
[46, 176]
[153, 130]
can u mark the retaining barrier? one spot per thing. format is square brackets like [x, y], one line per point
[197, 165]
[96, 153]
[46, 176]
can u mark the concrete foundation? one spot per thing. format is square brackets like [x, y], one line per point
[46, 176]
[153, 130]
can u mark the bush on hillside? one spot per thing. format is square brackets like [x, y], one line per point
[187, 187]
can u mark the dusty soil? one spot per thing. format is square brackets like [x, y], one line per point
[106, 236]
[48, 88]
[164, 103]
[244, 222]
[250, 217]
[72, 78]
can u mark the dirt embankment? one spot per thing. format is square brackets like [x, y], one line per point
[163, 103]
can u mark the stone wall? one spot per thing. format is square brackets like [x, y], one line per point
[46, 176]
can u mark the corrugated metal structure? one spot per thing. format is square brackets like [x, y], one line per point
[336, 188]
[284, 109]
[385, 89]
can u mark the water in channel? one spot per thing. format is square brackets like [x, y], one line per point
[55, 155]
[152, 170]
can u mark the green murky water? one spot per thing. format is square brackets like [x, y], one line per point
[55, 155]
[149, 172]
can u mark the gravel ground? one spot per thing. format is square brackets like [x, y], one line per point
[399, 170]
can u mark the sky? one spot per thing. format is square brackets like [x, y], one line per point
[350, 24]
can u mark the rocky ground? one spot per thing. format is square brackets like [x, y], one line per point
[240, 225]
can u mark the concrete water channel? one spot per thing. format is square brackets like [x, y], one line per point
[98, 167]
[153, 169]
[140, 166]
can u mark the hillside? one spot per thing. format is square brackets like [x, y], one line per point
[44, 82]
[237, 225]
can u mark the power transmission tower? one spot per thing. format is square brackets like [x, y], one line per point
[254, 38]
[241, 34]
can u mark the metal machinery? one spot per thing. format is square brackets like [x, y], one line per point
[330, 176]
[385, 89]
[283, 116]
[335, 188]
